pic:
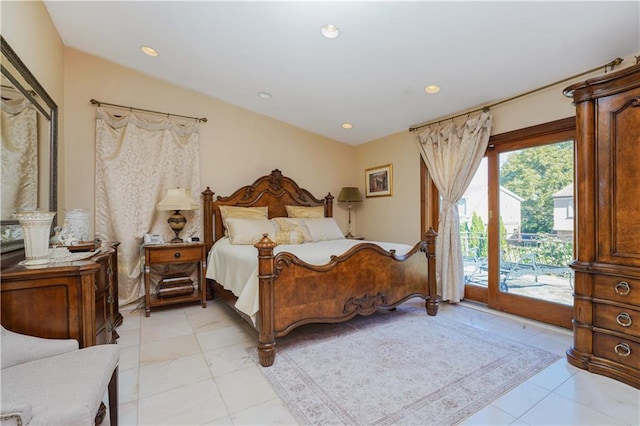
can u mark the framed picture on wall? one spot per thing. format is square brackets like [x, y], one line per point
[379, 181]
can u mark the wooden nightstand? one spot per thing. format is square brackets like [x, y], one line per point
[354, 238]
[166, 254]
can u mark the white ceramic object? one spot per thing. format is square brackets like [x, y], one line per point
[36, 229]
[78, 223]
[58, 252]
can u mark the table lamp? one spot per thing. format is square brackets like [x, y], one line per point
[349, 194]
[177, 199]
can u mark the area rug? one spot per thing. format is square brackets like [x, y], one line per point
[402, 367]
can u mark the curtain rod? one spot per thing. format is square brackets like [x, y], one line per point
[99, 103]
[611, 65]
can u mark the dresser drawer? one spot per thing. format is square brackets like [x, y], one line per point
[616, 349]
[175, 255]
[617, 289]
[617, 319]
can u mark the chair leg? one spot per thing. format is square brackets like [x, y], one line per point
[113, 398]
[102, 411]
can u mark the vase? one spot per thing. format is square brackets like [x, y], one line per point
[36, 229]
[77, 221]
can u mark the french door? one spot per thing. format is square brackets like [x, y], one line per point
[517, 226]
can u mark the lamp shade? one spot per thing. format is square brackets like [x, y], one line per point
[177, 199]
[350, 194]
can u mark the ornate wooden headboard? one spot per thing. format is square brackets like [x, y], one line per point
[274, 191]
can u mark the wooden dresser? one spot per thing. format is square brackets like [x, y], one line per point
[76, 300]
[107, 313]
[607, 266]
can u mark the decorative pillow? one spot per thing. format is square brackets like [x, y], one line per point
[249, 231]
[242, 212]
[289, 237]
[293, 225]
[324, 229]
[305, 212]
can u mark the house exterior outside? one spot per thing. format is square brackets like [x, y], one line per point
[475, 199]
[563, 211]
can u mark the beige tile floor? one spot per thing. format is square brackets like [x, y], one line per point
[185, 365]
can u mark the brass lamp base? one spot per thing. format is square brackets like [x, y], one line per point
[349, 235]
[177, 222]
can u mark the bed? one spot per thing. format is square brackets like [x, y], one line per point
[291, 290]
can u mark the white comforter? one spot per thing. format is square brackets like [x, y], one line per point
[236, 266]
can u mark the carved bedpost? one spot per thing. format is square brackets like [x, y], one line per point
[266, 337]
[328, 205]
[432, 303]
[207, 215]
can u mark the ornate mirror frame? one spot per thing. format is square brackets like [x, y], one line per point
[31, 89]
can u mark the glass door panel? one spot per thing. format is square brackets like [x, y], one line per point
[536, 222]
[516, 224]
[473, 210]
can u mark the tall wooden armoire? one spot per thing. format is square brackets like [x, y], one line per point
[607, 188]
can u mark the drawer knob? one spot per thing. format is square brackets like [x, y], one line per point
[624, 319]
[623, 288]
[177, 255]
[622, 349]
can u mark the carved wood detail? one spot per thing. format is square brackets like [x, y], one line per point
[365, 305]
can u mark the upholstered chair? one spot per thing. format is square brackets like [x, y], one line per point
[52, 382]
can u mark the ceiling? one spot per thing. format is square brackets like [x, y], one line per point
[374, 74]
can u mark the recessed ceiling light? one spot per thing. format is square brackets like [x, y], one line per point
[432, 88]
[264, 95]
[330, 31]
[347, 125]
[149, 51]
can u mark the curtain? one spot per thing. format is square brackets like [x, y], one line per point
[137, 159]
[452, 154]
[19, 137]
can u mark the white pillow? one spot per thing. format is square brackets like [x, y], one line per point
[324, 229]
[249, 231]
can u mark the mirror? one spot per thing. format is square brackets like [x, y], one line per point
[29, 147]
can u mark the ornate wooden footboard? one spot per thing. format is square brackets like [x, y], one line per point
[293, 293]
[360, 281]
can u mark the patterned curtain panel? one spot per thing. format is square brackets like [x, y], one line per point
[19, 156]
[137, 159]
[452, 154]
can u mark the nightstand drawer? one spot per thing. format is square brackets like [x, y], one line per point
[179, 254]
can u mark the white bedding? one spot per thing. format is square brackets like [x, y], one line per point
[236, 266]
